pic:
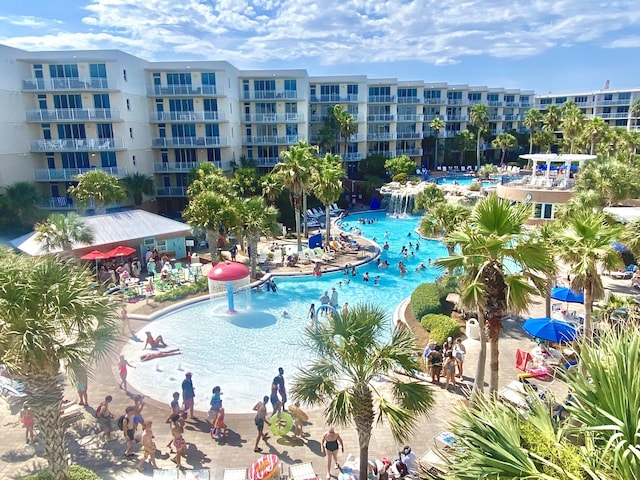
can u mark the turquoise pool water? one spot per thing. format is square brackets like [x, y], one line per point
[464, 180]
[242, 352]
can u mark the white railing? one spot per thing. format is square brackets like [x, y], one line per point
[354, 157]
[267, 161]
[76, 144]
[271, 94]
[199, 116]
[408, 135]
[178, 90]
[171, 191]
[274, 117]
[409, 100]
[336, 98]
[181, 167]
[187, 142]
[410, 152]
[72, 83]
[73, 115]
[412, 117]
[382, 98]
[67, 174]
[380, 118]
[273, 139]
[381, 136]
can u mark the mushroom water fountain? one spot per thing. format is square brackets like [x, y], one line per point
[229, 273]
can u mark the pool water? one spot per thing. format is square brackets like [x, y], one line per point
[463, 180]
[241, 353]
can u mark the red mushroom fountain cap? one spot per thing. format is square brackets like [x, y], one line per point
[228, 272]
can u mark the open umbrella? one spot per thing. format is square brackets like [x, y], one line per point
[120, 251]
[550, 329]
[95, 255]
[565, 294]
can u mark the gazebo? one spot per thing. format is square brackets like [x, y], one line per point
[551, 160]
[228, 272]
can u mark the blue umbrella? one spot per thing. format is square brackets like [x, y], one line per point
[565, 294]
[550, 329]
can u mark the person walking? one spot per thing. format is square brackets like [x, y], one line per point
[312, 314]
[81, 388]
[177, 431]
[261, 418]
[234, 252]
[126, 321]
[273, 398]
[105, 418]
[175, 410]
[449, 367]
[282, 390]
[129, 430]
[122, 367]
[334, 298]
[188, 394]
[331, 441]
[27, 418]
[148, 446]
[459, 352]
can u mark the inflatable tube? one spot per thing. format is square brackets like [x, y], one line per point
[297, 412]
[281, 423]
[264, 468]
[325, 306]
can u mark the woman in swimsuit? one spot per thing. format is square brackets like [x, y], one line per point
[122, 368]
[154, 342]
[27, 418]
[177, 429]
[330, 443]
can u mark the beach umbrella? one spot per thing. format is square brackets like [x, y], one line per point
[565, 294]
[120, 251]
[95, 255]
[550, 329]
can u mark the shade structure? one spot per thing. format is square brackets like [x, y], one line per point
[565, 294]
[95, 255]
[228, 271]
[120, 251]
[550, 329]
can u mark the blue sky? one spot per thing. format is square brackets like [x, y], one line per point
[544, 45]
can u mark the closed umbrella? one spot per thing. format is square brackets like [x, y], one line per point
[565, 294]
[550, 329]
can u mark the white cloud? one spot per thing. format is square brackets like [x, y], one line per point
[252, 32]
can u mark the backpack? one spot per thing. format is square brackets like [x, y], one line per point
[121, 422]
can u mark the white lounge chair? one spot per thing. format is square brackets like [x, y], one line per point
[234, 474]
[302, 471]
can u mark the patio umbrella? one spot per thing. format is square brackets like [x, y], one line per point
[120, 251]
[95, 255]
[550, 329]
[565, 294]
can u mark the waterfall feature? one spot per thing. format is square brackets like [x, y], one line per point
[400, 203]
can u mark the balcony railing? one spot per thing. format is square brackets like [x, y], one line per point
[613, 102]
[495, 117]
[199, 116]
[512, 104]
[382, 98]
[411, 118]
[410, 152]
[171, 191]
[409, 100]
[69, 174]
[267, 161]
[607, 116]
[57, 203]
[511, 118]
[386, 154]
[456, 118]
[73, 115]
[273, 118]
[494, 103]
[354, 157]
[76, 144]
[435, 101]
[408, 135]
[381, 136]
[273, 139]
[181, 90]
[177, 167]
[349, 98]
[457, 101]
[72, 83]
[540, 183]
[271, 95]
[188, 142]
[380, 118]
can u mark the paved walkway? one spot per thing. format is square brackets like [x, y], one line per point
[236, 451]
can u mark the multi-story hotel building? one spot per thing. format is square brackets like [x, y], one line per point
[64, 112]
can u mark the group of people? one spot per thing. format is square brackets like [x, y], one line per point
[445, 358]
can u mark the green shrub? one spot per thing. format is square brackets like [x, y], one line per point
[475, 186]
[426, 298]
[76, 472]
[563, 454]
[440, 327]
[400, 178]
[183, 291]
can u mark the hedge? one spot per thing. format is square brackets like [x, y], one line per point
[183, 291]
[426, 298]
[76, 472]
[440, 327]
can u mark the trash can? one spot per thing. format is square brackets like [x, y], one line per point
[473, 329]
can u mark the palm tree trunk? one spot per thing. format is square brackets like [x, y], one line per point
[45, 393]
[494, 361]
[253, 242]
[363, 418]
[530, 143]
[435, 160]
[327, 219]
[296, 209]
[304, 209]
[478, 383]
[547, 299]
[478, 150]
[212, 239]
[588, 309]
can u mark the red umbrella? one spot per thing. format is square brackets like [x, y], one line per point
[120, 251]
[95, 255]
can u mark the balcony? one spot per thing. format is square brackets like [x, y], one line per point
[609, 116]
[71, 174]
[353, 157]
[409, 135]
[494, 103]
[512, 104]
[77, 145]
[410, 152]
[411, 118]
[457, 101]
[199, 116]
[183, 90]
[386, 154]
[267, 161]
[495, 118]
[511, 118]
[188, 142]
[457, 118]
[171, 191]
[273, 118]
[381, 118]
[613, 102]
[57, 203]
[381, 136]
[349, 98]
[74, 115]
[435, 101]
[175, 167]
[410, 100]
[382, 99]
[73, 83]
[272, 95]
[273, 139]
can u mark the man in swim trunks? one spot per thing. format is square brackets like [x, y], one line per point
[275, 401]
[188, 394]
[129, 429]
[281, 388]
[261, 418]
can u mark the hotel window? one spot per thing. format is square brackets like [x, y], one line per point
[544, 101]
[98, 70]
[581, 99]
[179, 78]
[492, 97]
[608, 97]
[67, 101]
[101, 100]
[105, 130]
[72, 130]
[208, 78]
[42, 102]
[435, 94]
[63, 71]
[474, 96]
[454, 95]
[353, 110]
[561, 100]
[164, 156]
[329, 93]
[524, 99]
[211, 105]
[130, 132]
[128, 104]
[156, 78]
[290, 85]
[291, 107]
[407, 93]
[624, 96]
[621, 122]
[352, 89]
[624, 109]
[108, 159]
[509, 98]
[124, 75]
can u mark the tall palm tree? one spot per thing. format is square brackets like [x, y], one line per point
[596, 129]
[634, 111]
[479, 118]
[464, 141]
[532, 120]
[271, 188]
[349, 356]
[489, 242]
[443, 218]
[585, 244]
[327, 184]
[138, 184]
[19, 203]
[99, 186]
[61, 232]
[257, 219]
[436, 125]
[505, 141]
[294, 173]
[572, 124]
[51, 319]
[348, 126]
[552, 118]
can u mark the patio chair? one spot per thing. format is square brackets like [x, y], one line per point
[302, 471]
[234, 474]
[524, 363]
[321, 254]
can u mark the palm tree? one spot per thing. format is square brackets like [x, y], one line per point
[572, 124]
[492, 239]
[257, 219]
[552, 118]
[505, 141]
[479, 118]
[634, 111]
[138, 184]
[597, 129]
[585, 243]
[271, 188]
[544, 139]
[327, 184]
[51, 319]
[61, 232]
[19, 203]
[436, 125]
[99, 186]
[349, 356]
[429, 197]
[294, 174]
[348, 126]
[464, 141]
[443, 218]
[532, 120]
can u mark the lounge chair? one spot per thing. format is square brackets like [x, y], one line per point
[302, 471]
[321, 254]
[234, 474]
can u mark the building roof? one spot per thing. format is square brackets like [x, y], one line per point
[114, 228]
[624, 214]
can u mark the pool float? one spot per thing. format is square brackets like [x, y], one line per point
[264, 468]
[297, 412]
[281, 423]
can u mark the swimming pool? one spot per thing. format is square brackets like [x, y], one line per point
[242, 352]
[464, 180]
